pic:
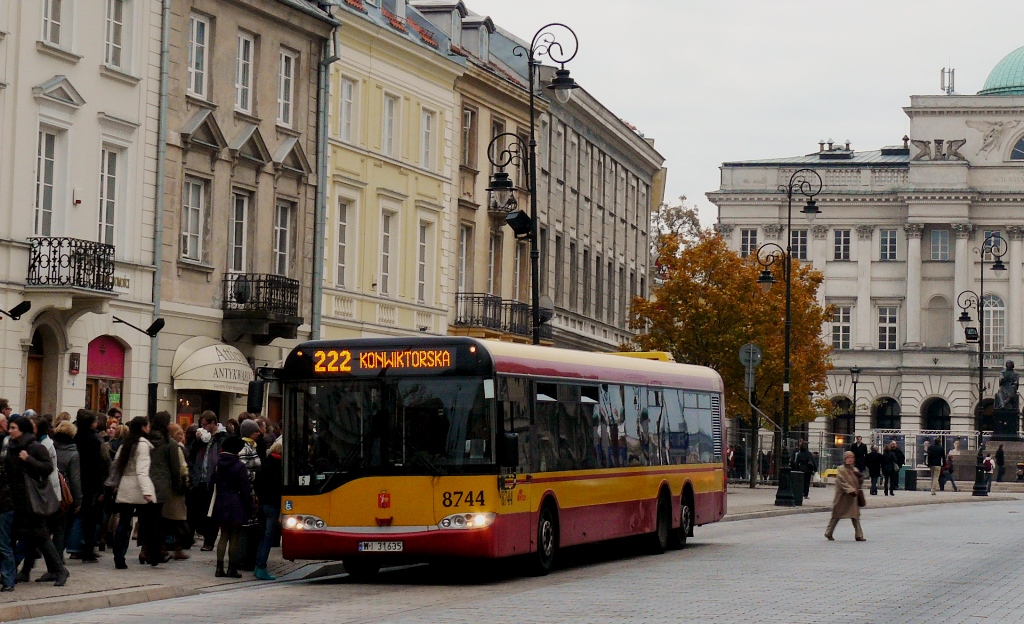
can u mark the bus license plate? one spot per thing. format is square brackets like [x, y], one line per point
[380, 546]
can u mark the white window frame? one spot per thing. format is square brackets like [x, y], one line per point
[347, 112]
[518, 268]
[341, 243]
[469, 116]
[888, 327]
[282, 237]
[238, 235]
[994, 310]
[114, 32]
[842, 327]
[427, 139]
[798, 243]
[887, 245]
[53, 22]
[244, 49]
[47, 152]
[424, 262]
[390, 119]
[286, 72]
[465, 241]
[387, 233]
[494, 264]
[748, 241]
[198, 55]
[986, 234]
[940, 246]
[192, 215]
[108, 198]
[841, 244]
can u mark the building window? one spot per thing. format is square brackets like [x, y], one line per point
[348, 96]
[940, 245]
[559, 291]
[390, 124]
[243, 73]
[842, 245]
[286, 88]
[610, 315]
[52, 18]
[841, 324]
[598, 289]
[574, 276]
[193, 207]
[282, 227]
[469, 138]
[342, 248]
[622, 297]
[887, 245]
[198, 36]
[497, 129]
[427, 139]
[748, 242]
[798, 243]
[988, 257]
[384, 282]
[46, 168]
[465, 244]
[114, 34]
[108, 195]
[517, 286]
[586, 282]
[887, 328]
[422, 261]
[494, 265]
[237, 233]
[995, 324]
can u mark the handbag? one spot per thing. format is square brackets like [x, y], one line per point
[42, 500]
[861, 501]
[67, 499]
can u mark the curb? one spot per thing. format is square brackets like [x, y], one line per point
[48, 607]
[792, 511]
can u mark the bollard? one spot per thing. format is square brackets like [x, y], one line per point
[796, 484]
[910, 479]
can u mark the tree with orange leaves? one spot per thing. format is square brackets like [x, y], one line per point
[709, 304]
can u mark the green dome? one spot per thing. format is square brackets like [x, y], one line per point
[1007, 77]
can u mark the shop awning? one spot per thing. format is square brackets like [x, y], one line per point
[203, 363]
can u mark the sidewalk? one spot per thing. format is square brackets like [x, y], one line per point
[99, 585]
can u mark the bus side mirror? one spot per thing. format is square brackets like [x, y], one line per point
[508, 450]
[254, 402]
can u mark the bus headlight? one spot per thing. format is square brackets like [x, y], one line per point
[296, 523]
[467, 521]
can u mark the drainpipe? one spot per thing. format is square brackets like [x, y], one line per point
[330, 54]
[158, 221]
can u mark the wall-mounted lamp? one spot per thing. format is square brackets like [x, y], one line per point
[150, 331]
[15, 313]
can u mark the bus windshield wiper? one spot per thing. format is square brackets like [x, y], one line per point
[421, 457]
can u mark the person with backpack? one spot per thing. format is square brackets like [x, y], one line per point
[947, 474]
[990, 467]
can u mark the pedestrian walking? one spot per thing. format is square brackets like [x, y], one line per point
[1000, 463]
[874, 464]
[846, 502]
[890, 469]
[860, 453]
[269, 483]
[805, 463]
[94, 468]
[901, 460]
[8, 566]
[947, 474]
[202, 465]
[165, 473]
[232, 506]
[69, 465]
[936, 457]
[174, 511]
[990, 467]
[135, 491]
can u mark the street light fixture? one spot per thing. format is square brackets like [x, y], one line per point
[15, 313]
[994, 246]
[500, 154]
[806, 182]
[855, 377]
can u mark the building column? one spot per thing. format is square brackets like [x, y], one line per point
[913, 231]
[818, 253]
[865, 336]
[962, 267]
[1015, 306]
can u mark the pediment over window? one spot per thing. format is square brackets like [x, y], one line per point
[203, 130]
[59, 90]
[249, 145]
[290, 157]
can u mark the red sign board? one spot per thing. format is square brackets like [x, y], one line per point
[384, 500]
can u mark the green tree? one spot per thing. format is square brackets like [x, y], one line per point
[709, 304]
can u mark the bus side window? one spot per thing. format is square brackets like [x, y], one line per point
[514, 416]
[691, 427]
[637, 420]
[545, 429]
[655, 418]
[676, 431]
[590, 427]
[615, 415]
[707, 431]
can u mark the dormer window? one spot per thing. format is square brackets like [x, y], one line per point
[484, 40]
[456, 29]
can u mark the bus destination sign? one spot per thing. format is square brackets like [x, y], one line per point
[355, 361]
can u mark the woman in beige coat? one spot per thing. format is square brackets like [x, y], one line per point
[135, 491]
[174, 512]
[844, 504]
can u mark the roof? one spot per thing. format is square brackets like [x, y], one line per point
[855, 159]
[414, 26]
[1007, 77]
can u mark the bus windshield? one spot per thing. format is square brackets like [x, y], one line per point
[337, 430]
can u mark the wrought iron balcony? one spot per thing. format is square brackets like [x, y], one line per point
[263, 305]
[70, 263]
[494, 314]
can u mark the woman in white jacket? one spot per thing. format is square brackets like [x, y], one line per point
[135, 491]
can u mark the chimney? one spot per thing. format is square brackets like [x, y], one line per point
[821, 145]
[906, 142]
[830, 145]
[847, 144]
[400, 9]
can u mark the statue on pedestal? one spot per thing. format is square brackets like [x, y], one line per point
[1009, 380]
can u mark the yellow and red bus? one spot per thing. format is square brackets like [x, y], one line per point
[402, 450]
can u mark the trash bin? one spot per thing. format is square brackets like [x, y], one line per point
[796, 484]
[909, 479]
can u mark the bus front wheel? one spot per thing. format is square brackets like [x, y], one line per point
[547, 541]
[361, 569]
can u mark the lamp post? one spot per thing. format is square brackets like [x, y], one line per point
[994, 246]
[544, 43]
[806, 182]
[855, 377]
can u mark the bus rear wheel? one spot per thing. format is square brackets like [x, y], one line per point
[361, 570]
[659, 540]
[547, 541]
[678, 539]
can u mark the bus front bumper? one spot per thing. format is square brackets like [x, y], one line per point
[416, 544]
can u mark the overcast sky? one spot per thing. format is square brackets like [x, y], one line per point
[724, 80]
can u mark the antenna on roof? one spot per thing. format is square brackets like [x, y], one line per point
[947, 78]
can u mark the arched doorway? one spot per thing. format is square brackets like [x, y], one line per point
[41, 371]
[844, 420]
[936, 414]
[886, 413]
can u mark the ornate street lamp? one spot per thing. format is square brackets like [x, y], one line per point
[544, 44]
[805, 182]
[994, 246]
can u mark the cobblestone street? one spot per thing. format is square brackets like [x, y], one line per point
[949, 563]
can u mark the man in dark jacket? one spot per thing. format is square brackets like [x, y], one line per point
[874, 464]
[936, 457]
[860, 453]
[70, 466]
[202, 463]
[94, 469]
[8, 566]
[805, 463]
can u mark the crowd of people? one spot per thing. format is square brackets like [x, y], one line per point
[76, 487]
